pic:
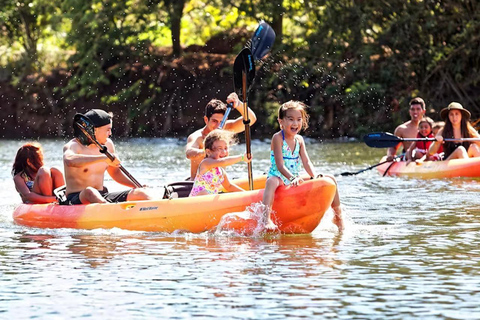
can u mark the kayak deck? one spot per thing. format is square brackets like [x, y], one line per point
[297, 210]
[432, 169]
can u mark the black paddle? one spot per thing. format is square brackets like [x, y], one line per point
[388, 140]
[87, 130]
[262, 40]
[366, 169]
[260, 45]
[243, 74]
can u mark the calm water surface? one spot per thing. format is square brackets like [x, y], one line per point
[411, 250]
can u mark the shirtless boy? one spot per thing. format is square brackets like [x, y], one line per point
[408, 129]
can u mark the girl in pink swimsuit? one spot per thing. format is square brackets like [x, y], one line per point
[211, 175]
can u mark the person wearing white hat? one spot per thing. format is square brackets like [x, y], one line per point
[457, 126]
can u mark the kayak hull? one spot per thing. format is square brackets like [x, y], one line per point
[297, 210]
[432, 169]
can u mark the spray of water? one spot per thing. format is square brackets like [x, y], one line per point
[250, 222]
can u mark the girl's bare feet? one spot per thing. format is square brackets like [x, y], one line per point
[338, 218]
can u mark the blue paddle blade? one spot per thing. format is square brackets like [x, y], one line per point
[262, 40]
[381, 140]
[244, 63]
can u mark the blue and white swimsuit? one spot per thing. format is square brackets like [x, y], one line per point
[291, 160]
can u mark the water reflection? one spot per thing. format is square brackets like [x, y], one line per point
[410, 251]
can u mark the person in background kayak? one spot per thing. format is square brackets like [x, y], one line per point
[437, 126]
[457, 126]
[34, 181]
[408, 129]
[418, 150]
[287, 150]
[85, 166]
[211, 175]
[214, 112]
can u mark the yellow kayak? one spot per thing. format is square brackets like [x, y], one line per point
[297, 210]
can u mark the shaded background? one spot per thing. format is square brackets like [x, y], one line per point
[156, 64]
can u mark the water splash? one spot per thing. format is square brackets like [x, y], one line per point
[250, 222]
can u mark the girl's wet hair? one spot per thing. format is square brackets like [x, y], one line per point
[30, 152]
[294, 105]
[218, 134]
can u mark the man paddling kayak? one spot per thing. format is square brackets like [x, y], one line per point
[214, 112]
[408, 129]
[85, 165]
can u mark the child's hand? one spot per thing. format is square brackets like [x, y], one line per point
[439, 138]
[246, 159]
[295, 182]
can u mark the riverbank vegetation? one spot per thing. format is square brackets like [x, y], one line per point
[156, 63]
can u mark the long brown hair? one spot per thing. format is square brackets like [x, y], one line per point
[29, 159]
[466, 129]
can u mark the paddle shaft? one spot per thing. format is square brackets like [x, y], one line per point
[104, 149]
[225, 116]
[388, 140]
[246, 121]
[433, 139]
[366, 169]
[363, 170]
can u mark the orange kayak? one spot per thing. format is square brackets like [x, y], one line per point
[297, 210]
[433, 169]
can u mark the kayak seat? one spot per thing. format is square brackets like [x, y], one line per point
[180, 189]
[61, 194]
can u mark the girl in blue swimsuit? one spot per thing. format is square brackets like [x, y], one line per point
[287, 151]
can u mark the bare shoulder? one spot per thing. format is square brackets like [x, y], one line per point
[300, 139]
[195, 136]
[72, 145]
[401, 129]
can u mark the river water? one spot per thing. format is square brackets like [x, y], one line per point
[410, 250]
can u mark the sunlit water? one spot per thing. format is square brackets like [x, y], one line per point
[411, 250]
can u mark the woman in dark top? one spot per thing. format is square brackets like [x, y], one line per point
[457, 126]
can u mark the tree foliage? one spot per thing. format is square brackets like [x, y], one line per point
[356, 63]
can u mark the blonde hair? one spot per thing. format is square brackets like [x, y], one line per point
[217, 135]
[294, 105]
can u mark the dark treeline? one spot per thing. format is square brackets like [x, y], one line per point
[156, 63]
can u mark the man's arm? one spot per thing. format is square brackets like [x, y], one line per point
[73, 158]
[392, 151]
[193, 149]
[237, 125]
[114, 168]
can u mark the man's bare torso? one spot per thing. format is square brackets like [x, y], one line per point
[199, 138]
[407, 130]
[77, 178]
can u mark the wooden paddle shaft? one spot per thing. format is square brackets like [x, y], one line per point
[247, 129]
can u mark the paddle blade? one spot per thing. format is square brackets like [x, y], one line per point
[83, 129]
[381, 140]
[262, 40]
[244, 62]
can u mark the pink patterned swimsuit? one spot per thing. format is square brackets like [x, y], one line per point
[211, 181]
